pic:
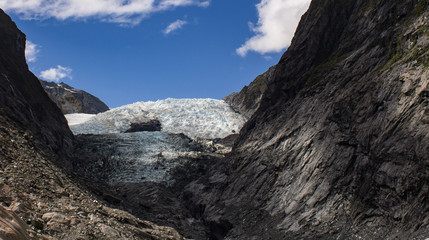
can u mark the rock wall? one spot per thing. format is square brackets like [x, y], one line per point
[22, 99]
[339, 147]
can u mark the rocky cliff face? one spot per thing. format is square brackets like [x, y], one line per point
[247, 101]
[339, 147]
[39, 200]
[71, 100]
[23, 102]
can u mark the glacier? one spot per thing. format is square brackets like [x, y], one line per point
[190, 131]
[139, 156]
[203, 118]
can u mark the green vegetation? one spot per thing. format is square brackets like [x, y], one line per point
[422, 7]
[370, 5]
[405, 49]
[314, 73]
[423, 56]
[395, 51]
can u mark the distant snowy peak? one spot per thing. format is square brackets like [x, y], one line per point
[204, 118]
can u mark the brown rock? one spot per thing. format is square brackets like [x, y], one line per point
[11, 226]
[109, 232]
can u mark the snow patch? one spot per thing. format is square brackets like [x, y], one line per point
[70, 90]
[204, 118]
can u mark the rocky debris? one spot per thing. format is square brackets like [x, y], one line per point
[52, 204]
[148, 126]
[160, 204]
[71, 100]
[247, 101]
[338, 148]
[228, 141]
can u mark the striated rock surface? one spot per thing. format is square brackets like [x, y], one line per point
[339, 147]
[71, 100]
[249, 98]
[39, 200]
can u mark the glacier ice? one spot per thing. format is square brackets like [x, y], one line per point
[140, 156]
[78, 118]
[203, 118]
[153, 156]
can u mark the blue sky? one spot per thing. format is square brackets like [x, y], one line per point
[154, 49]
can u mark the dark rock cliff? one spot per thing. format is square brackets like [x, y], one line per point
[247, 101]
[22, 99]
[339, 147]
[71, 100]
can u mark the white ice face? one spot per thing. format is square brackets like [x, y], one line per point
[204, 118]
[78, 118]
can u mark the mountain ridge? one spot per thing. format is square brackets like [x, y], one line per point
[339, 145]
[72, 100]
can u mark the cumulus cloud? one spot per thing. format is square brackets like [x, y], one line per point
[118, 11]
[276, 26]
[56, 74]
[31, 51]
[178, 24]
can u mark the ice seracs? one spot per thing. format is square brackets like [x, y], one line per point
[203, 118]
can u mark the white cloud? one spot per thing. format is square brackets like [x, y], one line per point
[31, 51]
[118, 11]
[276, 26]
[176, 25]
[204, 4]
[56, 74]
[268, 58]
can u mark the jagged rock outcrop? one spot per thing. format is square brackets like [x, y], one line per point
[247, 101]
[34, 141]
[71, 100]
[339, 147]
[149, 126]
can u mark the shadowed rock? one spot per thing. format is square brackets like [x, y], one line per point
[339, 146]
[150, 126]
